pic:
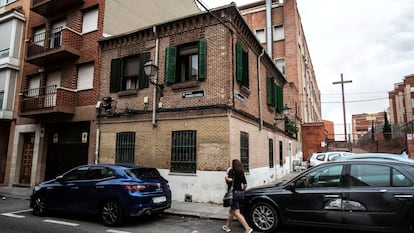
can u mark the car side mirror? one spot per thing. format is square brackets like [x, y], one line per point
[59, 179]
[291, 187]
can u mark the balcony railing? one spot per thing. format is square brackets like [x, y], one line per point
[61, 44]
[48, 8]
[49, 100]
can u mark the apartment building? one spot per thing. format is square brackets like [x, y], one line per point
[401, 101]
[54, 124]
[216, 96]
[277, 25]
[364, 122]
[13, 16]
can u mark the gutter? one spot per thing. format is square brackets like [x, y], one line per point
[154, 98]
[260, 89]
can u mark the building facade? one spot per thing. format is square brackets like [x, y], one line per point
[401, 101]
[217, 96]
[277, 25]
[364, 122]
[13, 17]
[54, 123]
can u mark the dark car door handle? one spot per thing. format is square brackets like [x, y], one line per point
[403, 196]
[74, 187]
[332, 195]
[99, 187]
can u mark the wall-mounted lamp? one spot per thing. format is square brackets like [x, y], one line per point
[151, 71]
[286, 111]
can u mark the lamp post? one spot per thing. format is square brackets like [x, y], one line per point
[151, 71]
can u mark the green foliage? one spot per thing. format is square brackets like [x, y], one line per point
[290, 127]
[386, 130]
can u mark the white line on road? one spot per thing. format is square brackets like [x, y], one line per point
[116, 231]
[61, 222]
[14, 214]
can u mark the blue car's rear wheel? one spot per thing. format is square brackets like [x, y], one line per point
[39, 205]
[264, 217]
[111, 213]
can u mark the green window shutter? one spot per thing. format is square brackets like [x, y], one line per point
[270, 93]
[143, 79]
[170, 64]
[202, 59]
[245, 81]
[279, 91]
[239, 62]
[116, 72]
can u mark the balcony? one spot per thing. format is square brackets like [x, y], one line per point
[48, 8]
[47, 101]
[61, 44]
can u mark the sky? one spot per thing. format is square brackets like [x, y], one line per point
[370, 42]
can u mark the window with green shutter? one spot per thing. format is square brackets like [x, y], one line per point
[127, 73]
[187, 62]
[270, 91]
[242, 65]
[279, 100]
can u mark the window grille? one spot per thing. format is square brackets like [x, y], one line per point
[183, 151]
[271, 165]
[125, 147]
[244, 150]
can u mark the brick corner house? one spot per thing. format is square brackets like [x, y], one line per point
[217, 96]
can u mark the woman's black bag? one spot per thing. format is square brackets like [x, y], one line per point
[228, 199]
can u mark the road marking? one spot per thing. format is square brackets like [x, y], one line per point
[14, 214]
[61, 222]
[116, 231]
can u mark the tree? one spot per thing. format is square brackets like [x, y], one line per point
[386, 130]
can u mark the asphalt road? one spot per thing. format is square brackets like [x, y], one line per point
[17, 217]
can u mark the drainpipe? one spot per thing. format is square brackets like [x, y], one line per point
[269, 28]
[97, 144]
[154, 99]
[260, 89]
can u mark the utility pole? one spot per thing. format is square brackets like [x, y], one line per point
[343, 101]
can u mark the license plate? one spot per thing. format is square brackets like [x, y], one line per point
[159, 199]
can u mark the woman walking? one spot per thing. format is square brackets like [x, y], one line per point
[235, 179]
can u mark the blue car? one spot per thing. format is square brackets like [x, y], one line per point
[113, 192]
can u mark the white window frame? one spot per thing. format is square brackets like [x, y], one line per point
[281, 65]
[278, 32]
[90, 20]
[85, 76]
[261, 35]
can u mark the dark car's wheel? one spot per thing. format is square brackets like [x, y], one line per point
[264, 217]
[111, 213]
[39, 205]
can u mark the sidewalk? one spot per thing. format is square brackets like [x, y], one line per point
[193, 209]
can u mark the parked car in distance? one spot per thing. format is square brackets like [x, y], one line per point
[373, 195]
[397, 157]
[323, 157]
[113, 192]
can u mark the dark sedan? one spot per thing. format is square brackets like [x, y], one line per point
[111, 191]
[375, 195]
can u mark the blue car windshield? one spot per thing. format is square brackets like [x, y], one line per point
[144, 173]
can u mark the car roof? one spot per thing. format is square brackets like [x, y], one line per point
[379, 156]
[116, 166]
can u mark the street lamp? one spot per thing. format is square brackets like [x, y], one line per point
[286, 111]
[151, 71]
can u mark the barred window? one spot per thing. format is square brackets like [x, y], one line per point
[244, 150]
[183, 151]
[271, 158]
[125, 147]
[281, 153]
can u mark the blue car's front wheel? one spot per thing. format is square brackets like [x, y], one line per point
[39, 205]
[111, 213]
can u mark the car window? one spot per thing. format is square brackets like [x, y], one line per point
[320, 157]
[78, 174]
[97, 173]
[144, 173]
[333, 156]
[377, 176]
[322, 177]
